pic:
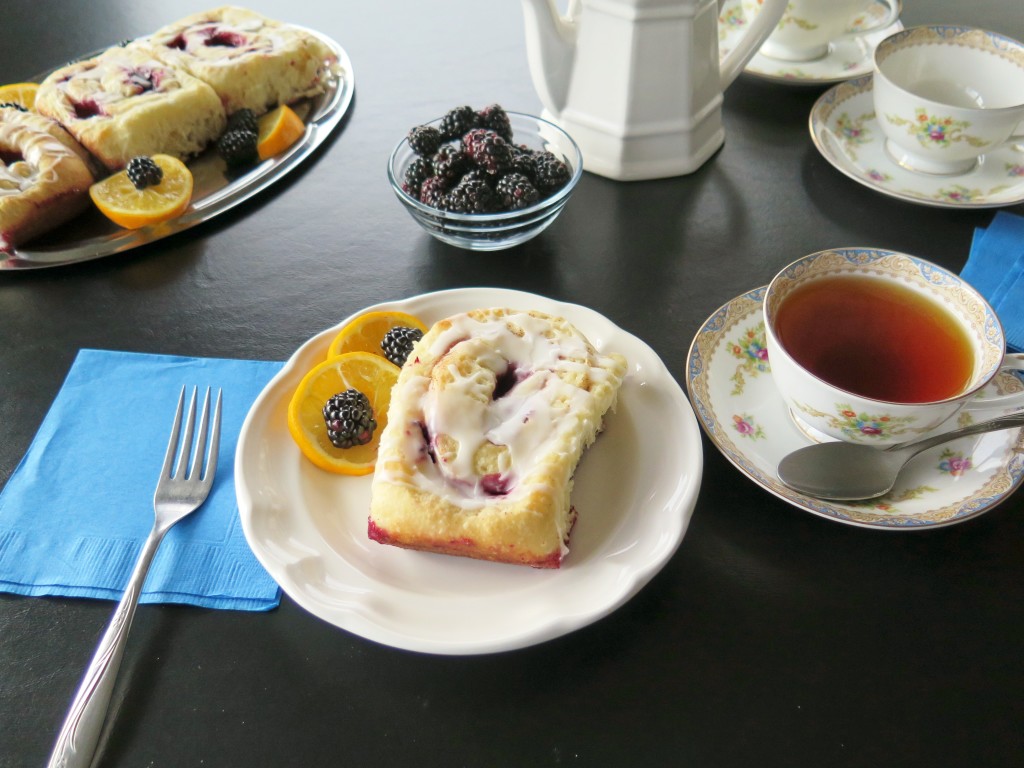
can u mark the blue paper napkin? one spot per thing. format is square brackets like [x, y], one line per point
[996, 268]
[76, 510]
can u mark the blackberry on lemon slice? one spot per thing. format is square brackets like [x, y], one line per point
[149, 191]
[368, 332]
[340, 409]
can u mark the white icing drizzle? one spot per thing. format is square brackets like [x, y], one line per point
[540, 415]
[39, 155]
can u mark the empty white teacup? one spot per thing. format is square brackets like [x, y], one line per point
[809, 26]
[945, 96]
[879, 347]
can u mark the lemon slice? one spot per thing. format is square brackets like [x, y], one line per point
[19, 93]
[119, 200]
[372, 375]
[365, 333]
[278, 130]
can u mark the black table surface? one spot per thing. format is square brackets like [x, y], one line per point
[772, 637]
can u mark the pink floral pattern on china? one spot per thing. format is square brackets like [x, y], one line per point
[953, 462]
[752, 352]
[934, 131]
[745, 425]
[856, 424]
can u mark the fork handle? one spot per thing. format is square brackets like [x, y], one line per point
[76, 743]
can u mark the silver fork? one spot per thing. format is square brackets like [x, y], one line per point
[182, 489]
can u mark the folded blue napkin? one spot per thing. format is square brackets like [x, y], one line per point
[76, 510]
[996, 268]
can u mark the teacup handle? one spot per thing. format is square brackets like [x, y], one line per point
[895, 8]
[1011, 362]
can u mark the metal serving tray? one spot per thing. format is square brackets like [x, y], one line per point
[216, 190]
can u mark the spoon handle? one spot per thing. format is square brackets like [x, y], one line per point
[1003, 422]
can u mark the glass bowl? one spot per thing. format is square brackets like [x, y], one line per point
[494, 231]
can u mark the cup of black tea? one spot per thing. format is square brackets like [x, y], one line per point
[878, 347]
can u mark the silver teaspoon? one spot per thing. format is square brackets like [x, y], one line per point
[850, 471]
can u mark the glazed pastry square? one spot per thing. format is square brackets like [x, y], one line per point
[44, 176]
[125, 102]
[488, 421]
[249, 60]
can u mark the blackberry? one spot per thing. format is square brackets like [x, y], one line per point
[473, 196]
[496, 119]
[488, 150]
[457, 122]
[349, 419]
[432, 191]
[450, 163]
[398, 342]
[419, 170]
[237, 147]
[476, 174]
[143, 172]
[424, 140]
[515, 192]
[244, 120]
[524, 161]
[13, 105]
[552, 173]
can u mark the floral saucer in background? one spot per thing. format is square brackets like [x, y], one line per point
[844, 129]
[847, 58]
[730, 387]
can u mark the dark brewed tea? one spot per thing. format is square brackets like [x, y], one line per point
[877, 339]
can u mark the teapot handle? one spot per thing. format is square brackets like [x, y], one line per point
[763, 24]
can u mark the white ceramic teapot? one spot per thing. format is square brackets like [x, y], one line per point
[638, 83]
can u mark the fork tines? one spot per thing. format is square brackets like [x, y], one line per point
[202, 464]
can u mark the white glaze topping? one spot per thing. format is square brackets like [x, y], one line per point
[38, 154]
[507, 388]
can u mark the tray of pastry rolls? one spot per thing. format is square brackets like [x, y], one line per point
[173, 92]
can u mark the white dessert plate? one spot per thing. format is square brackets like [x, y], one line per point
[635, 490]
[847, 57]
[92, 236]
[730, 386]
[844, 129]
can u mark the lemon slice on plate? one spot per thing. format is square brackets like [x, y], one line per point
[367, 331]
[368, 373]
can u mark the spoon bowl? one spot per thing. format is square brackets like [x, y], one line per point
[851, 471]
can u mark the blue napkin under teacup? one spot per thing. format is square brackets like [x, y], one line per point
[996, 268]
[76, 510]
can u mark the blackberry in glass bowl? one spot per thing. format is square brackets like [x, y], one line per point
[486, 193]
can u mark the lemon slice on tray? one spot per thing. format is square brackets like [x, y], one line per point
[23, 94]
[121, 202]
[278, 130]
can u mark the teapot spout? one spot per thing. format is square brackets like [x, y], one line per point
[550, 48]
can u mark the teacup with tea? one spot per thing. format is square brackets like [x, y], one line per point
[808, 27]
[945, 96]
[874, 346]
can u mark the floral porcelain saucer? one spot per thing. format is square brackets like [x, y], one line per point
[844, 129]
[730, 387]
[847, 58]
